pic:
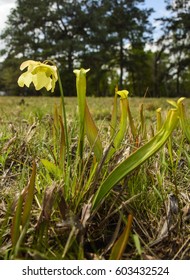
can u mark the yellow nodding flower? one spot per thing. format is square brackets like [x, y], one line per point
[123, 93]
[40, 74]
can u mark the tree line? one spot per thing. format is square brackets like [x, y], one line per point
[109, 37]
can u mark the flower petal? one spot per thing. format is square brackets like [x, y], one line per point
[48, 69]
[40, 80]
[41, 74]
[28, 63]
[123, 93]
[82, 70]
[25, 79]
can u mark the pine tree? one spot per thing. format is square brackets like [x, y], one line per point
[84, 33]
[176, 43]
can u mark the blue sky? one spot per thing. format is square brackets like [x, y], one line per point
[158, 5]
[160, 11]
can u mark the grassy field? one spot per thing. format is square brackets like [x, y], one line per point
[146, 214]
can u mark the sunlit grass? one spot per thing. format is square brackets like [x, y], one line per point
[64, 228]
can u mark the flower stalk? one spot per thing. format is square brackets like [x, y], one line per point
[64, 119]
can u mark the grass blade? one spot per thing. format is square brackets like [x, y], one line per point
[113, 117]
[131, 122]
[22, 212]
[52, 168]
[15, 229]
[62, 144]
[143, 124]
[29, 196]
[121, 243]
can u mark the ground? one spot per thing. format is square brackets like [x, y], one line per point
[156, 194]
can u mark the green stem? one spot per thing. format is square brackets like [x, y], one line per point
[64, 111]
[64, 119]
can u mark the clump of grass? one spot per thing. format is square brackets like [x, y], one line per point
[86, 192]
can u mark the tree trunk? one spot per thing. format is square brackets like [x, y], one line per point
[121, 56]
[178, 83]
[155, 94]
[70, 58]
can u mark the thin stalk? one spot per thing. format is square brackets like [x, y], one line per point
[68, 164]
[64, 111]
[64, 118]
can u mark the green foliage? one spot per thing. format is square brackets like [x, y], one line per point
[86, 181]
[120, 245]
[137, 158]
[111, 37]
[63, 225]
[175, 42]
[22, 213]
[74, 33]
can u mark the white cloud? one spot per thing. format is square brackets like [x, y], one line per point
[5, 7]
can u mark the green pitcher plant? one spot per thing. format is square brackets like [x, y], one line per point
[137, 158]
[46, 75]
[86, 123]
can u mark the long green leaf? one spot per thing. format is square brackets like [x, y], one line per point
[137, 158]
[122, 124]
[93, 134]
[15, 229]
[159, 118]
[62, 144]
[179, 105]
[183, 118]
[123, 119]
[131, 122]
[24, 203]
[52, 168]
